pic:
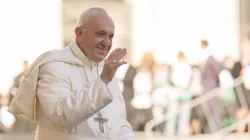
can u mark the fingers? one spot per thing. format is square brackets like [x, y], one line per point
[114, 53]
[116, 56]
[120, 54]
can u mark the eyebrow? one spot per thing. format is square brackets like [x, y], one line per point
[104, 32]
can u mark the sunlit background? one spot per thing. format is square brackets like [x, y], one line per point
[162, 27]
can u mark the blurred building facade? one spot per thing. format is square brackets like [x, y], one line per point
[244, 12]
[166, 27]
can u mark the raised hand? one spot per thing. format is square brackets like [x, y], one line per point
[112, 63]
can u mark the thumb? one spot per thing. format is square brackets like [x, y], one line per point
[121, 63]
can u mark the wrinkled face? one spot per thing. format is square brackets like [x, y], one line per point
[95, 37]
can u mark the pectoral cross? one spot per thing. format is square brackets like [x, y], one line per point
[101, 121]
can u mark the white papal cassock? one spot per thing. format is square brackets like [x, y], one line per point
[63, 93]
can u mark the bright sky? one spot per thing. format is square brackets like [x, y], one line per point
[166, 26]
[28, 28]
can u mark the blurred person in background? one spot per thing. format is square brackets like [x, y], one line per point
[228, 95]
[6, 118]
[18, 78]
[243, 112]
[245, 72]
[20, 126]
[71, 93]
[181, 74]
[197, 116]
[143, 88]
[241, 69]
[161, 75]
[160, 93]
[126, 75]
[244, 60]
[211, 68]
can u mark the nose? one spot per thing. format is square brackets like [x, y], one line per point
[106, 42]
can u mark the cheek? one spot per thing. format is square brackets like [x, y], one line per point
[111, 43]
[96, 42]
[108, 51]
[110, 46]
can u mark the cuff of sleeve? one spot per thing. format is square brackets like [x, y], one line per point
[126, 134]
[104, 87]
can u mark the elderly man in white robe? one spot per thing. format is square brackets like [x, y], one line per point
[70, 93]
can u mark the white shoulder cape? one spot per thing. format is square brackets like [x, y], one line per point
[23, 104]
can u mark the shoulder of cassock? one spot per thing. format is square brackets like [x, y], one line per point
[23, 104]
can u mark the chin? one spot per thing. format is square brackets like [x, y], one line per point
[99, 59]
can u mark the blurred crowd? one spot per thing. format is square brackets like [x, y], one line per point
[157, 91]
[153, 91]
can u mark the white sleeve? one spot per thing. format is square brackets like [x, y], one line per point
[64, 107]
[126, 131]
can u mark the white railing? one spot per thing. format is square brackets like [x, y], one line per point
[198, 101]
[233, 127]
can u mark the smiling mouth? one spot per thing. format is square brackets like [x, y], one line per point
[101, 48]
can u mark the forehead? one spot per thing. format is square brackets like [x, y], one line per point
[100, 23]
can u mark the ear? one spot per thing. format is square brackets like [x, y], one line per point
[78, 32]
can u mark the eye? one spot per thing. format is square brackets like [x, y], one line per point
[111, 36]
[100, 33]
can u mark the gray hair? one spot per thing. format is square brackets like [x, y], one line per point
[89, 13]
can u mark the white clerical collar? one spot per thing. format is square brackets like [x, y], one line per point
[80, 55]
